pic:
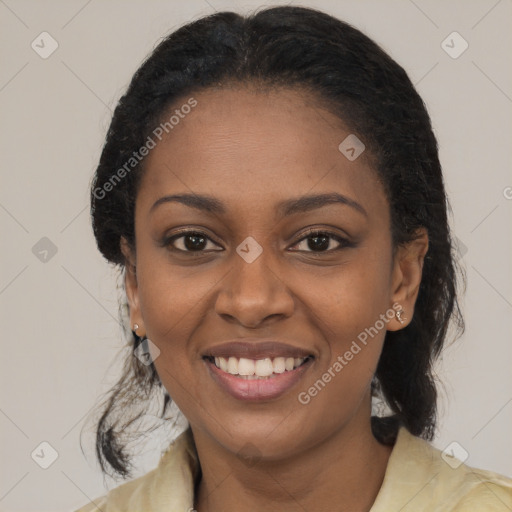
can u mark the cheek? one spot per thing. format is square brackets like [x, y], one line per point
[351, 310]
[171, 297]
[177, 305]
[170, 304]
[169, 309]
[344, 301]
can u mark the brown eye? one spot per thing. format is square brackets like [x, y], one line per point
[321, 241]
[190, 241]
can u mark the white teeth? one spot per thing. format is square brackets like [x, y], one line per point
[279, 365]
[245, 366]
[233, 366]
[260, 368]
[263, 367]
[223, 364]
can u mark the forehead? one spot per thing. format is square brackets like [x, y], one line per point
[254, 148]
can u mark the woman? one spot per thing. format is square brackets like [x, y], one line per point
[271, 187]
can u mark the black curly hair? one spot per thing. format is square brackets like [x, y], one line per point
[286, 47]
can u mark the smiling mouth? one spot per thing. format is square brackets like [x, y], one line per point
[257, 369]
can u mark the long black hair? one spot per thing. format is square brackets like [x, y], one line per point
[357, 81]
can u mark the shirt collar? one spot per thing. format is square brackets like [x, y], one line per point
[414, 468]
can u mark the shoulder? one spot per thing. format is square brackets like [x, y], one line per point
[134, 493]
[420, 477]
[170, 486]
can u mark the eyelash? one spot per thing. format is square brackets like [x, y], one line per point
[167, 242]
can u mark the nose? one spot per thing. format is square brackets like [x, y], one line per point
[254, 293]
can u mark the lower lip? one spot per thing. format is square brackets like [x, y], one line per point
[257, 389]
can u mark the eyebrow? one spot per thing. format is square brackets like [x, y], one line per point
[285, 208]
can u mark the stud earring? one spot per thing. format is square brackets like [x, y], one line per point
[399, 314]
[135, 327]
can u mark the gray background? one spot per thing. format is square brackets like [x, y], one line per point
[60, 336]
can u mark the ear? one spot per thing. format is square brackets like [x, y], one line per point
[131, 286]
[406, 278]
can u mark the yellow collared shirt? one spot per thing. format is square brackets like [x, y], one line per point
[417, 479]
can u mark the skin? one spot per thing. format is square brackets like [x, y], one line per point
[251, 149]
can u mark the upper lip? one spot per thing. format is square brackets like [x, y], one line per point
[256, 350]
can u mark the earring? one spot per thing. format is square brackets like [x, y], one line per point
[399, 314]
[135, 327]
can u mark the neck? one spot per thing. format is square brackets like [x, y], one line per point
[343, 472]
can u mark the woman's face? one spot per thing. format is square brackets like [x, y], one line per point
[254, 275]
